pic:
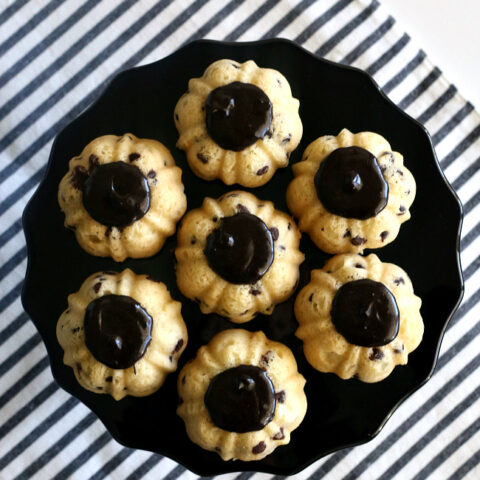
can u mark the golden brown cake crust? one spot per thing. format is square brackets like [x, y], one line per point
[229, 349]
[169, 336]
[326, 349]
[333, 233]
[168, 203]
[240, 303]
[256, 164]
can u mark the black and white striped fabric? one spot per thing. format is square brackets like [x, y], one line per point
[56, 56]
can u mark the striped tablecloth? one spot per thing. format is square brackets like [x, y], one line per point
[56, 57]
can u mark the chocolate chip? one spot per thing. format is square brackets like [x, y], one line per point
[275, 233]
[347, 233]
[280, 396]
[310, 298]
[134, 156]
[108, 231]
[282, 247]
[242, 208]
[93, 160]
[401, 210]
[383, 168]
[269, 134]
[376, 354]
[398, 281]
[151, 174]
[255, 291]
[178, 346]
[399, 349]
[109, 379]
[400, 172]
[384, 235]
[234, 65]
[358, 241]
[289, 227]
[202, 157]
[262, 170]
[279, 82]
[97, 286]
[79, 177]
[265, 358]
[259, 448]
[280, 435]
[286, 139]
[359, 265]
[75, 330]
[193, 240]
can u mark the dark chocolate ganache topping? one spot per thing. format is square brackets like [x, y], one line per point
[241, 399]
[237, 115]
[118, 330]
[116, 194]
[240, 249]
[349, 183]
[365, 313]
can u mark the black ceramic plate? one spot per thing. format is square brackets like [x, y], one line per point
[340, 413]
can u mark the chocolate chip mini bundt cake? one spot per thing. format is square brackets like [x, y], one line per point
[237, 256]
[241, 396]
[238, 123]
[358, 317]
[351, 192]
[122, 334]
[122, 196]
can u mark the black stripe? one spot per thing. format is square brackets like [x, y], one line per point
[414, 418]
[39, 48]
[438, 104]
[12, 262]
[22, 190]
[288, 18]
[244, 475]
[331, 462]
[466, 175]
[333, 41]
[145, 467]
[11, 10]
[471, 204]
[53, 451]
[13, 327]
[19, 353]
[400, 76]
[450, 449]
[112, 464]
[424, 85]
[472, 268]
[464, 308]
[466, 467]
[388, 55]
[322, 20]
[373, 38]
[174, 473]
[27, 409]
[23, 381]
[32, 437]
[47, 73]
[11, 296]
[461, 147]
[452, 123]
[38, 18]
[215, 20]
[251, 20]
[91, 450]
[10, 232]
[473, 234]
[436, 430]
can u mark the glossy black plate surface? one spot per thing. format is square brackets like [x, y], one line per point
[141, 101]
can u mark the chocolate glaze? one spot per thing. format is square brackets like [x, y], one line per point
[240, 249]
[241, 399]
[116, 194]
[349, 183]
[237, 115]
[118, 330]
[365, 313]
